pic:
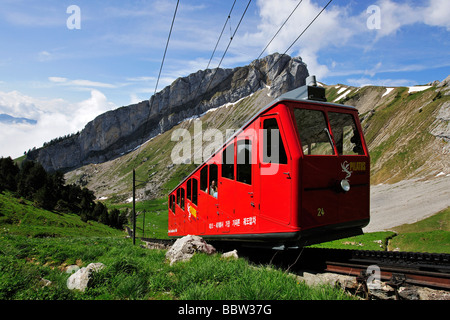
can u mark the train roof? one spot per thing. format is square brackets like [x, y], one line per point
[310, 94]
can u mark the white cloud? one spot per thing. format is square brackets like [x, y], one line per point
[81, 83]
[361, 82]
[334, 27]
[44, 56]
[141, 79]
[88, 109]
[437, 13]
[338, 27]
[372, 72]
[57, 79]
[16, 104]
[88, 83]
[37, 15]
[55, 118]
[395, 15]
[134, 98]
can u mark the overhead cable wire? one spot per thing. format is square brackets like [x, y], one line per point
[218, 40]
[215, 48]
[299, 36]
[167, 45]
[281, 27]
[308, 26]
[159, 75]
[228, 46]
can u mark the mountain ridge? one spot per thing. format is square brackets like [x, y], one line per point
[407, 129]
[6, 118]
[404, 142]
[119, 131]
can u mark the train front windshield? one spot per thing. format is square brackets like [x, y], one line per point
[346, 134]
[316, 138]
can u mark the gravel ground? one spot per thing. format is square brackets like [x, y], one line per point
[407, 201]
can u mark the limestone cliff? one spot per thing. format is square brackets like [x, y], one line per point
[117, 132]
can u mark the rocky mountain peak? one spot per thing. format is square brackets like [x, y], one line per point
[119, 131]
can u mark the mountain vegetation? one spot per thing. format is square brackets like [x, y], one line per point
[50, 192]
[406, 131]
[50, 220]
[119, 131]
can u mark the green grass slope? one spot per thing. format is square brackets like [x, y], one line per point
[21, 217]
[36, 246]
[429, 235]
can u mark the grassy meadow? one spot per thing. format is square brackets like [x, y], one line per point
[37, 245]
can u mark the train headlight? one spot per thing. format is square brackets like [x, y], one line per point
[345, 185]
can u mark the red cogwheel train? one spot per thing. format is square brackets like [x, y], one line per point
[297, 173]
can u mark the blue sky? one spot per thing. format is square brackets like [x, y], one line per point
[63, 77]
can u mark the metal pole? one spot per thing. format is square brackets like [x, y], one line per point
[134, 208]
[143, 226]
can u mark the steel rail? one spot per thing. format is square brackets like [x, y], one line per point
[411, 276]
[396, 268]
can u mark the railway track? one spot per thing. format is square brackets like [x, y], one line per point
[395, 268]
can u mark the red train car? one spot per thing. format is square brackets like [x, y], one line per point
[297, 173]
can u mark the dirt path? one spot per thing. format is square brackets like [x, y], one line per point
[407, 202]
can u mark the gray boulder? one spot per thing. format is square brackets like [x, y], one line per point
[80, 279]
[230, 254]
[184, 248]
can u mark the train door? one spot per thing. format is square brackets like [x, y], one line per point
[244, 188]
[227, 185]
[192, 219]
[212, 197]
[275, 175]
[172, 229]
[179, 208]
[202, 212]
[319, 167]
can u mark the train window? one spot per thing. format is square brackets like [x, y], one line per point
[313, 130]
[346, 134]
[178, 196]
[172, 203]
[270, 154]
[194, 191]
[204, 179]
[189, 189]
[244, 159]
[182, 199]
[213, 180]
[228, 162]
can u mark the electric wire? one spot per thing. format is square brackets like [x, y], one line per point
[279, 29]
[167, 45]
[225, 52]
[215, 48]
[209, 62]
[231, 39]
[223, 29]
[323, 9]
[228, 46]
[159, 75]
[298, 37]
